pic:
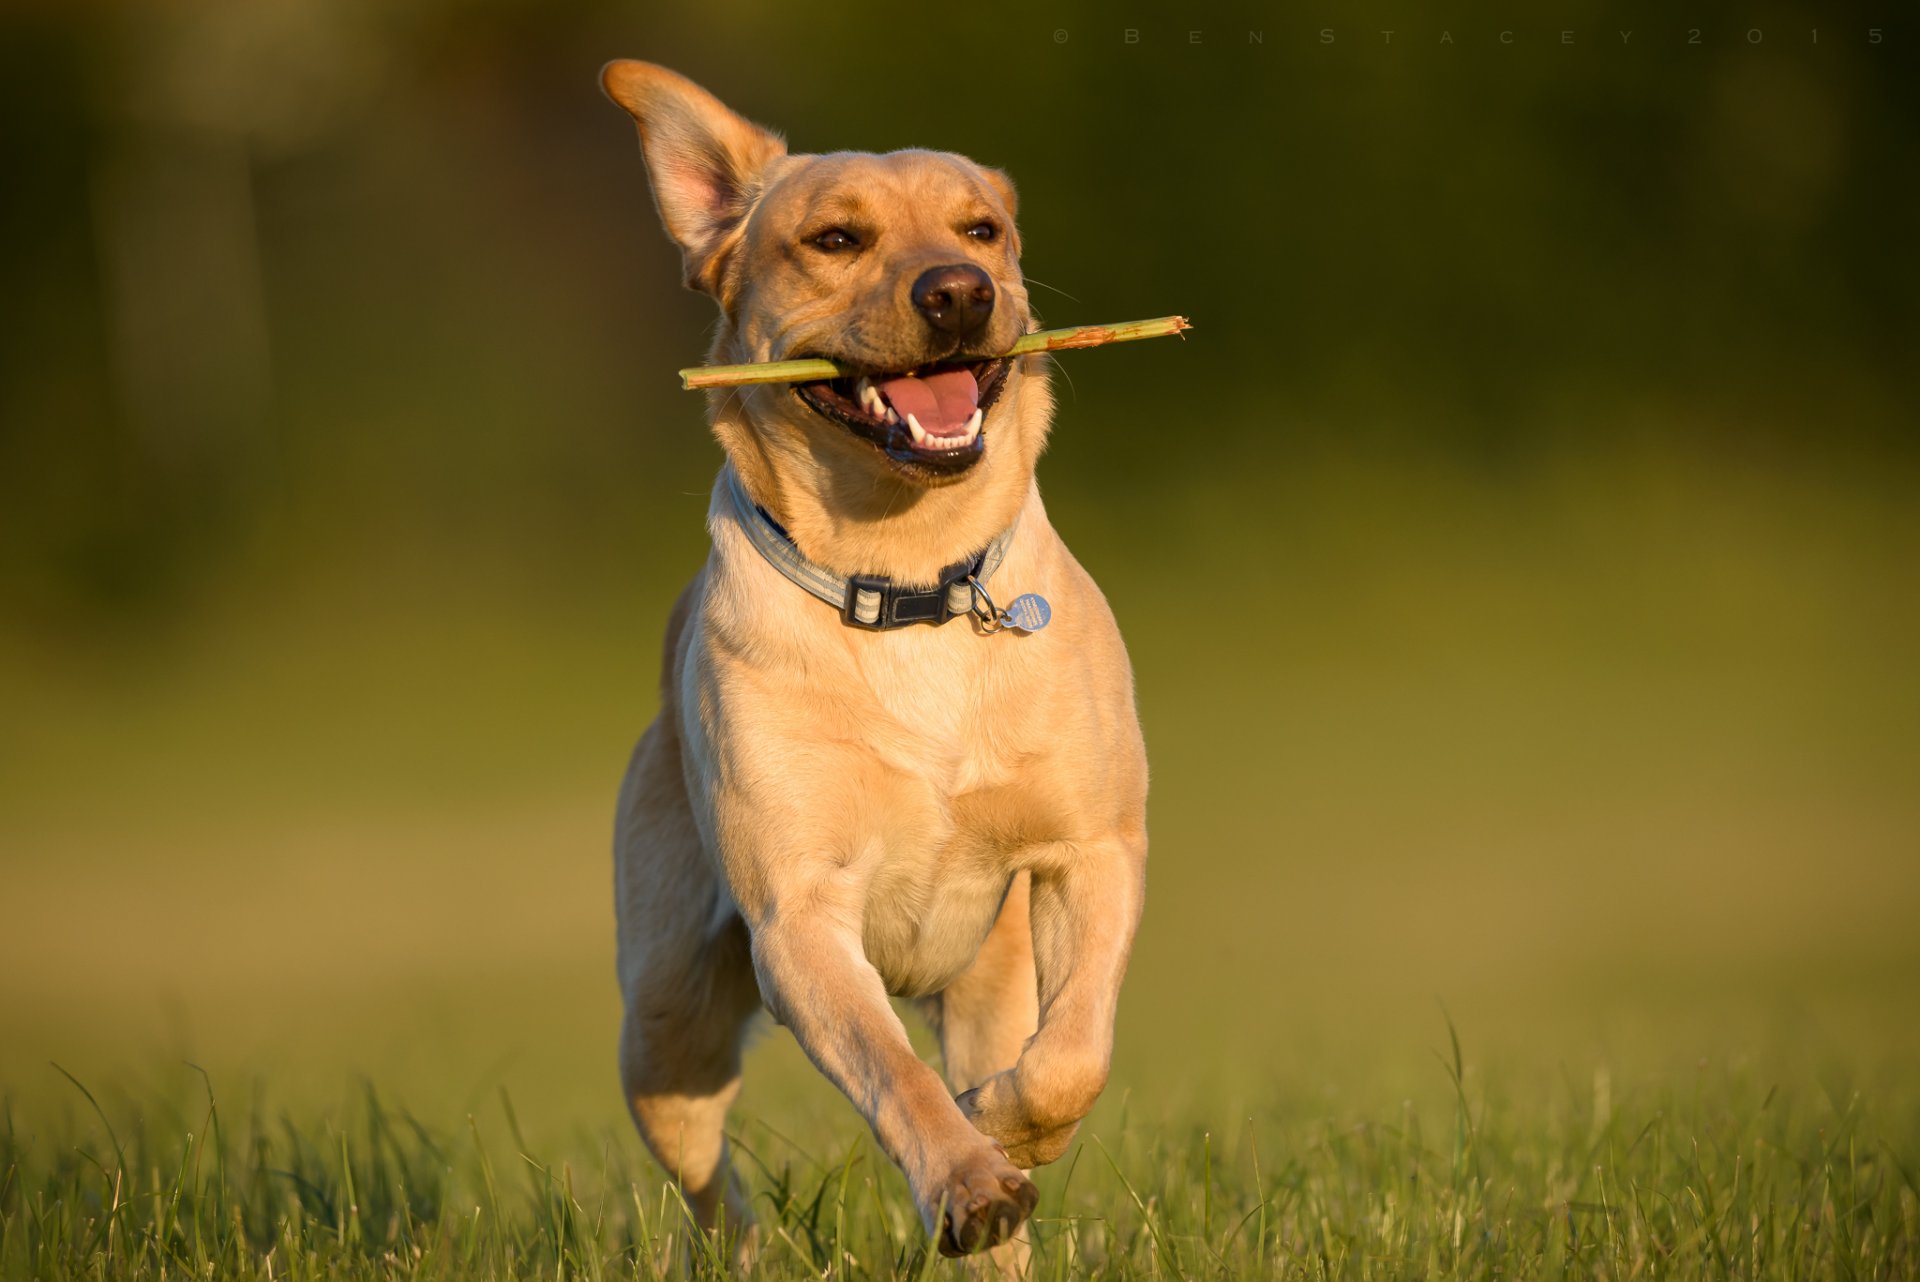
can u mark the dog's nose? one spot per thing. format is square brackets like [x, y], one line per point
[955, 300]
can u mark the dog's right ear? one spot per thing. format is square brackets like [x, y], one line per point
[704, 161]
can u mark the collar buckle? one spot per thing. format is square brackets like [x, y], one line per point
[876, 604]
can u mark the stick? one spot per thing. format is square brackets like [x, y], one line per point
[1046, 340]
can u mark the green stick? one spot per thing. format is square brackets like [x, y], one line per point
[1047, 340]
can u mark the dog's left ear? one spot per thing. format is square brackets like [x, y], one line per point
[704, 161]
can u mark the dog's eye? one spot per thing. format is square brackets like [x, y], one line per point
[984, 231]
[835, 240]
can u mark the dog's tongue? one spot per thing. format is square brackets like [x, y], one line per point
[941, 402]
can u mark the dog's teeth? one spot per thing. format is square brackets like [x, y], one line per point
[919, 433]
[973, 424]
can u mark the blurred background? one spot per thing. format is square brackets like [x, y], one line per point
[1518, 559]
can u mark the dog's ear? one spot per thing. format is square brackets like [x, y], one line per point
[705, 162]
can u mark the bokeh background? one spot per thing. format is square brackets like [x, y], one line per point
[1518, 559]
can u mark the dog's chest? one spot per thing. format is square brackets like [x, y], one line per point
[905, 764]
[945, 701]
[939, 694]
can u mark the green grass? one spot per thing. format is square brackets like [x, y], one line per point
[1723, 1173]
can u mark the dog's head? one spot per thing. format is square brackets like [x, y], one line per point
[902, 267]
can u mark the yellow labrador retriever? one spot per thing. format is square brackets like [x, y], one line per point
[867, 777]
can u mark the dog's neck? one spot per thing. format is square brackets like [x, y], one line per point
[854, 520]
[903, 531]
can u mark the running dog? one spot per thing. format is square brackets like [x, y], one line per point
[871, 774]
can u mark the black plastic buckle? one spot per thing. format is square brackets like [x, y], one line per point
[900, 607]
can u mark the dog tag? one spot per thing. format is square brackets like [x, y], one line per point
[1029, 613]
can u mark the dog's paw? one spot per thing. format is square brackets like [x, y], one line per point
[746, 1250]
[997, 1111]
[986, 1199]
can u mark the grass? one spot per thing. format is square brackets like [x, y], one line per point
[1726, 1174]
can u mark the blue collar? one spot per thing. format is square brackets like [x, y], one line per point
[869, 601]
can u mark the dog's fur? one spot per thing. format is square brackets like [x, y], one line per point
[821, 816]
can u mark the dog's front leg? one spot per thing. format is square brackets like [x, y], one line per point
[1086, 903]
[817, 981]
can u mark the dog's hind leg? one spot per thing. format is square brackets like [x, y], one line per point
[985, 1017]
[686, 974]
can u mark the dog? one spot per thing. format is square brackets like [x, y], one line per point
[867, 777]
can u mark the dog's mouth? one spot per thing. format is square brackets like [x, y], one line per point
[931, 421]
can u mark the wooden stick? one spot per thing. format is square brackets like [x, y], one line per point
[1046, 340]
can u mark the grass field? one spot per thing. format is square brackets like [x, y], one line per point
[1610, 768]
[1718, 1176]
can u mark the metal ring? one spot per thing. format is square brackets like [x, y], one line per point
[991, 619]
